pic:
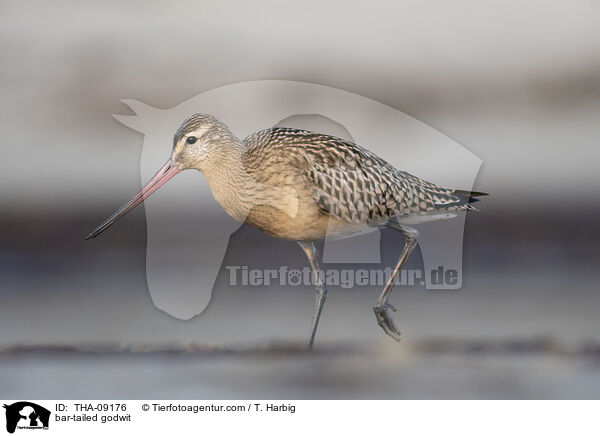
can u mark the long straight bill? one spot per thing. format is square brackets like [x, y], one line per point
[167, 172]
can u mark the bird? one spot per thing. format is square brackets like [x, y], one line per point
[300, 185]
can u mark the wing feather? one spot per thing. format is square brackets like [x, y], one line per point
[348, 181]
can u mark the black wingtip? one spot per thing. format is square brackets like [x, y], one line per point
[469, 196]
[463, 193]
[478, 194]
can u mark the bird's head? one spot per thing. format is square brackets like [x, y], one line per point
[200, 142]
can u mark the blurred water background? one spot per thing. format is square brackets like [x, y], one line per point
[517, 84]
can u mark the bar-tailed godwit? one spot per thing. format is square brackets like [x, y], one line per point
[301, 185]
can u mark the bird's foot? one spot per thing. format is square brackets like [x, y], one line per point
[385, 321]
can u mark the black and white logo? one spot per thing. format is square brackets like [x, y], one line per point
[26, 415]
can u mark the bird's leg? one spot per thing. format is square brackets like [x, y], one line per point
[381, 307]
[311, 252]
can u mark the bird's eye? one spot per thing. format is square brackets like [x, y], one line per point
[191, 139]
